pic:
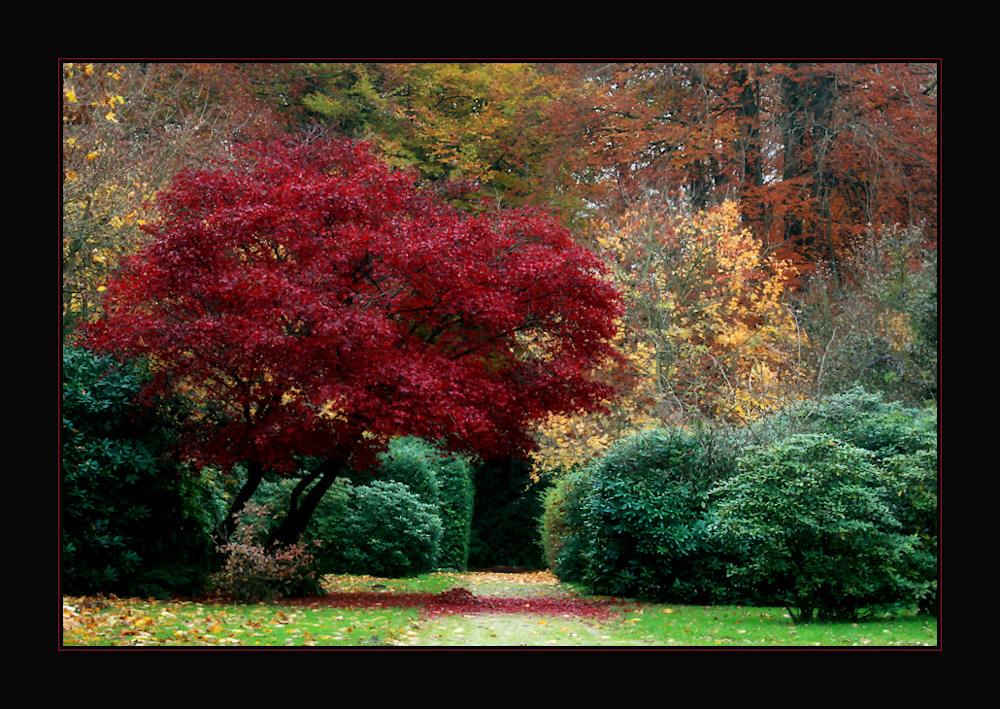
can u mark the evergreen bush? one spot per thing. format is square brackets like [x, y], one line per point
[646, 520]
[387, 531]
[815, 515]
[562, 527]
[861, 418]
[913, 493]
[441, 479]
[129, 520]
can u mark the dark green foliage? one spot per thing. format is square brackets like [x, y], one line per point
[832, 512]
[438, 478]
[508, 506]
[415, 479]
[128, 518]
[861, 418]
[562, 526]
[913, 492]
[646, 519]
[455, 507]
[387, 531]
[816, 516]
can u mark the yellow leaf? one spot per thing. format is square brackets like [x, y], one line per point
[71, 95]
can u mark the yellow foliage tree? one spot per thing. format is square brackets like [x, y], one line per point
[126, 128]
[483, 122]
[707, 330]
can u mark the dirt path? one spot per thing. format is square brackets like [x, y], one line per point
[484, 610]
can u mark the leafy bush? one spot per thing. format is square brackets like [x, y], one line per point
[388, 531]
[638, 521]
[562, 527]
[129, 522]
[438, 478]
[913, 492]
[815, 514]
[860, 418]
[455, 508]
[253, 572]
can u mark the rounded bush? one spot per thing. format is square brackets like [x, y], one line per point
[439, 478]
[913, 492]
[562, 527]
[647, 521]
[388, 531]
[129, 521]
[860, 418]
[815, 515]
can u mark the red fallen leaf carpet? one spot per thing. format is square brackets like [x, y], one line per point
[460, 600]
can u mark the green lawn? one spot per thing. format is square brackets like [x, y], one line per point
[89, 622]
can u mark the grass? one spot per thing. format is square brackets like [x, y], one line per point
[100, 622]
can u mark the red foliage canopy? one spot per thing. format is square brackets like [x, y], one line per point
[313, 300]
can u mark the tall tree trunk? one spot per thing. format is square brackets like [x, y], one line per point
[808, 95]
[750, 152]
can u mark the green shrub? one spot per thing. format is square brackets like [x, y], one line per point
[440, 479]
[816, 517]
[455, 508]
[647, 522]
[407, 461]
[860, 418]
[129, 522]
[913, 492]
[562, 527]
[387, 531]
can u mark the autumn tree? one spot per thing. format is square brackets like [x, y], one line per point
[489, 123]
[873, 321]
[814, 153]
[311, 302]
[125, 129]
[708, 330]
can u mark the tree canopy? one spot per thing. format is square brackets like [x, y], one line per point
[313, 302]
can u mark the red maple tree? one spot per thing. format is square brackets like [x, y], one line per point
[313, 303]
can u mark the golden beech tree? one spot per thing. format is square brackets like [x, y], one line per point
[481, 122]
[706, 330]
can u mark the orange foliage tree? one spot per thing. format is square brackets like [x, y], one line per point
[814, 153]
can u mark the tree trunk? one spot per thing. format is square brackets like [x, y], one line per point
[255, 473]
[301, 507]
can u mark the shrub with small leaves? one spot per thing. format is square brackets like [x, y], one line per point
[388, 531]
[640, 520]
[129, 518]
[253, 571]
[815, 515]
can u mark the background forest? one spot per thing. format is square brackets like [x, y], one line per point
[772, 226]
